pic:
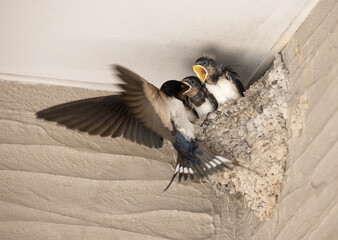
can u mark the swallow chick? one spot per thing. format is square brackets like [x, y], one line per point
[200, 99]
[221, 81]
[144, 114]
[189, 109]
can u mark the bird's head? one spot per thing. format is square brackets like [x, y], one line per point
[195, 84]
[174, 88]
[205, 68]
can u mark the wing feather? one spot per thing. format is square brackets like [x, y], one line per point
[147, 103]
[104, 116]
[140, 113]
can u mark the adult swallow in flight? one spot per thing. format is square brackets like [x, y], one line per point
[221, 81]
[201, 100]
[144, 114]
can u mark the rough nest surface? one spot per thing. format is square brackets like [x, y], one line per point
[253, 131]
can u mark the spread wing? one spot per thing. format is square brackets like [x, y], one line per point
[104, 116]
[146, 102]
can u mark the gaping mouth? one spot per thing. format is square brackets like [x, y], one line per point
[188, 89]
[201, 72]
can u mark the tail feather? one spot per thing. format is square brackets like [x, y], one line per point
[179, 170]
[171, 181]
[213, 161]
[197, 171]
[198, 161]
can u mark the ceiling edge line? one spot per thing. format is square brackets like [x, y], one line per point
[9, 77]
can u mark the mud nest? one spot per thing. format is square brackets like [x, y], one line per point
[253, 130]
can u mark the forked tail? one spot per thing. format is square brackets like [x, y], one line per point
[194, 160]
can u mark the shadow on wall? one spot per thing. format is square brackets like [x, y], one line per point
[233, 59]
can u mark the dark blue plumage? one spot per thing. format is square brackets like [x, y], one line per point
[186, 148]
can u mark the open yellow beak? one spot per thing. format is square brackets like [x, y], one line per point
[201, 72]
[188, 88]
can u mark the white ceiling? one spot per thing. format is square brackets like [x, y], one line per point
[78, 40]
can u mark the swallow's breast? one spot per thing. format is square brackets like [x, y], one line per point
[179, 117]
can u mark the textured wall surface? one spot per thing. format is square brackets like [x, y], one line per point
[258, 129]
[308, 206]
[56, 183]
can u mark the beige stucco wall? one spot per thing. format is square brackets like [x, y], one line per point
[60, 184]
[308, 206]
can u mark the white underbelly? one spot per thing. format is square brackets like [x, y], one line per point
[229, 90]
[180, 118]
[217, 92]
[204, 109]
[190, 114]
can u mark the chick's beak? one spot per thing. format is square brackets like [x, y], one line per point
[188, 87]
[201, 72]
